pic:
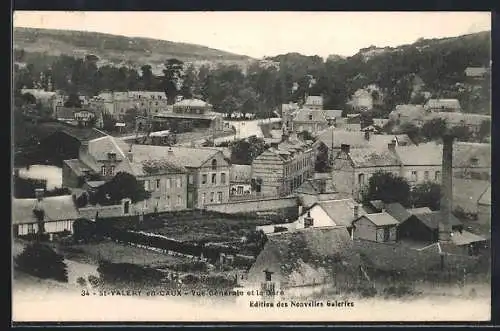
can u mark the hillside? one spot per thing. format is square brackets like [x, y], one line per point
[115, 49]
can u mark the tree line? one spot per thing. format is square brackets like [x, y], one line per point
[259, 90]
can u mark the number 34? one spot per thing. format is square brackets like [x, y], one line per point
[85, 292]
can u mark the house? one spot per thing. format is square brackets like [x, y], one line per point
[306, 257]
[361, 100]
[424, 227]
[408, 114]
[317, 188]
[241, 180]
[58, 214]
[352, 168]
[472, 121]
[312, 120]
[79, 116]
[484, 207]
[283, 167]
[379, 227]
[380, 122]
[208, 171]
[472, 160]
[477, 72]
[314, 102]
[443, 105]
[47, 99]
[198, 112]
[333, 116]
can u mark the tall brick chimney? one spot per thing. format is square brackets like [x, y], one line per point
[446, 190]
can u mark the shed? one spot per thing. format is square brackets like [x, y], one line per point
[378, 227]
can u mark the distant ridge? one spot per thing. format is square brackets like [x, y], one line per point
[114, 48]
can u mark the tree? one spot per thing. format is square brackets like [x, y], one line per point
[461, 133]
[245, 151]
[387, 187]
[28, 99]
[146, 77]
[427, 194]
[83, 229]
[411, 130]
[42, 261]
[188, 83]
[418, 99]
[130, 116]
[172, 78]
[108, 122]
[322, 163]
[123, 185]
[256, 240]
[73, 101]
[484, 130]
[433, 129]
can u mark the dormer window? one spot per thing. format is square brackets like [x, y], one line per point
[214, 164]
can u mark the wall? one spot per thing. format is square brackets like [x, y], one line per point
[69, 178]
[165, 197]
[343, 174]
[269, 168]
[365, 230]
[50, 227]
[253, 205]
[105, 211]
[420, 169]
[319, 216]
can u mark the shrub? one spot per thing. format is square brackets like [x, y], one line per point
[367, 291]
[81, 281]
[42, 261]
[398, 291]
[94, 281]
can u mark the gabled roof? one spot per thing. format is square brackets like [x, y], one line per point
[485, 198]
[443, 104]
[180, 156]
[458, 118]
[302, 115]
[432, 220]
[100, 147]
[370, 157]
[476, 71]
[423, 154]
[353, 138]
[421, 210]
[78, 167]
[397, 211]
[465, 238]
[56, 208]
[192, 103]
[314, 100]
[333, 113]
[341, 211]
[379, 219]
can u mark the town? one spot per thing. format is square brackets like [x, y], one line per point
[273, 177]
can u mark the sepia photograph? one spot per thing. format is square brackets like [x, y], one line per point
[251, 166]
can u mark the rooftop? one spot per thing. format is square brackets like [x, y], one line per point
[77, 166]
[397, 211]
[443, 104]
[314, 100]
[380, 219]
[303, 115]
[192, 103]
[180, 156]
[56, 208]
[432, 220]
[341, 211]
[371, 157]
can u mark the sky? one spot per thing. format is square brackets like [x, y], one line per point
[259, 34]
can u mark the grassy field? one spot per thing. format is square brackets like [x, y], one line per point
[119, 253]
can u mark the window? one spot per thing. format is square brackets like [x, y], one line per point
[214, 164]
[414, 176]
[126, 207]
[474, 161]
[191, 179]
[157, 184]
[31, 228]
[310, 117]
[387, 234]
[223, 178]
[212, 196]
[214, 178]
[179, 182]
[239, 190]
[219, 197]
[203, 198]
[103, 171]
[146, 185]
[204, 179]
[426, 175]
[437, 177]
[361, 179]
[179, 200]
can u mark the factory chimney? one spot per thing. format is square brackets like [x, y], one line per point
[446, 190]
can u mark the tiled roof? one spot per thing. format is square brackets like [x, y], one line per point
[314, 100]
[431, 220]
[100, 147]
[371, 157]
[206, 116]
[457, 118]
[408, 112]
[485, 198]
[465, 238]
[192, 103]
[302, 115]
[56, 208]
[181, 156]
[476, 71]
[443, 104]
[341, 211]
[81, 134]
[78, 167]
[333, 113]
[380, 219]
[421, 210]
[397, 211]
[423, 154]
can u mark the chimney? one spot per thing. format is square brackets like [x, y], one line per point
[392, 145]
[367, 135]
[345, 148]
[446, 189]
[308, 220]
[300, 209]
[39, 192]
[356, 212]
